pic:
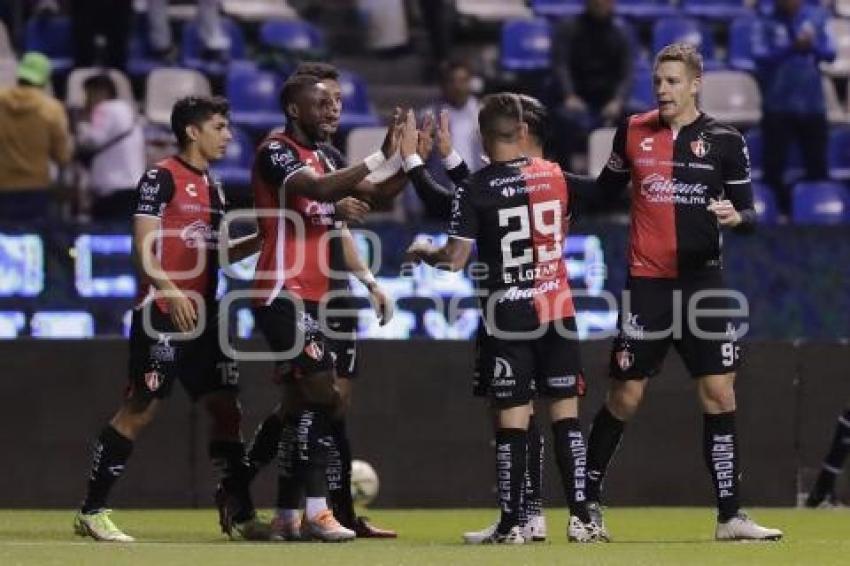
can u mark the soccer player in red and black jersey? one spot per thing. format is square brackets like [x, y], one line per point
[515, 210]
[174, 330]
[303, 260]
[344, 350]
[690, 178]
[534, 114]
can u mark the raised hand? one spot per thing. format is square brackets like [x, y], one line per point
[444, 135]
[426, 136]
[409, 136]
[391, 140]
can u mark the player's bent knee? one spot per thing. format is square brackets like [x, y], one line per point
[625, 397]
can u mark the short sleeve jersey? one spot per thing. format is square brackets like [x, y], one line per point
[298, 253]
[190, 204]
[517, 214]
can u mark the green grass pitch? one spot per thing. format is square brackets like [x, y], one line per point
[651, 536]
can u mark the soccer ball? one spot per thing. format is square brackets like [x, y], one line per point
[364, 482]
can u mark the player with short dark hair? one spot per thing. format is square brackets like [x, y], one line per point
[534, 115]
[177, 233]
[293, 172]
[690, 176]
[515, 211]
[343, 349]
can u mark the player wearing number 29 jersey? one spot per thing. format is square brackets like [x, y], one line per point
[517, 212]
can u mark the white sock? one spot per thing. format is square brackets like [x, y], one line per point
[315, 505]
[289, 515]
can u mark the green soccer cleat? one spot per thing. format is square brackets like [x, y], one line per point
[99, 527]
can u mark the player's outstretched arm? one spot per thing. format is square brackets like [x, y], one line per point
[344, 182]
[450, 257]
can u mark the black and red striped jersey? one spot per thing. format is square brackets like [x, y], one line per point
[190, 205]
[674, 176]
[517, 213]
[300, 259]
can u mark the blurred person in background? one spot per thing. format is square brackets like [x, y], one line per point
[461, 105]
[213, 36]
[788, 47]
[33, 133]
[111, 145]
[101, 29]
[593, 69]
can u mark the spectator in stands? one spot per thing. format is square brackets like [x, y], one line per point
[101, 30]
[462, 107]
[33, 132]
[211, 30]
[788, 47]
[592, 62]
[111, 144]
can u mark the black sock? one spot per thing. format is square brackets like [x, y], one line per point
[264, 446]
[339, 475]
[571, 455]
[313, 437]
[228, 459]
[834, 461]
[289, 488]
[111, 451]
[720, 449]
[510, 474]
[605, 435]
[533, 496]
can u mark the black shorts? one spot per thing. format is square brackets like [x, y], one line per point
[344, 348]
[636, 354]
[157, 360]
[548, 366]
[293, 326]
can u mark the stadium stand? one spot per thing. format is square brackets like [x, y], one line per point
[51, 35]
[820, 202]
[254, 97]
[731, 96]
[192, 48]
[259, 10]
[526, 45]
[765, 204]
[235, 169]
[165, 86]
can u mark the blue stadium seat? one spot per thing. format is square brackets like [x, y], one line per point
[689, 30]
[557, 8]
[526, 45]
[254, 97]
[642, 95]
[235, 167]
[839, 153]
[794, 169]
[51, 35]
[716, 9]
[764, 200]
[645, 9]
[357, 110]
[741, 44]
[292, 35]
[820, 202]
[192, 48]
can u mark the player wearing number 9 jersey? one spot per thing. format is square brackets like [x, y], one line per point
[690, 176]
[516, 211]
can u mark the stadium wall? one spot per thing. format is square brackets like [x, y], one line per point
[415, 420]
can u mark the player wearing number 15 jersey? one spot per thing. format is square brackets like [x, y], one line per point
[516, 211]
